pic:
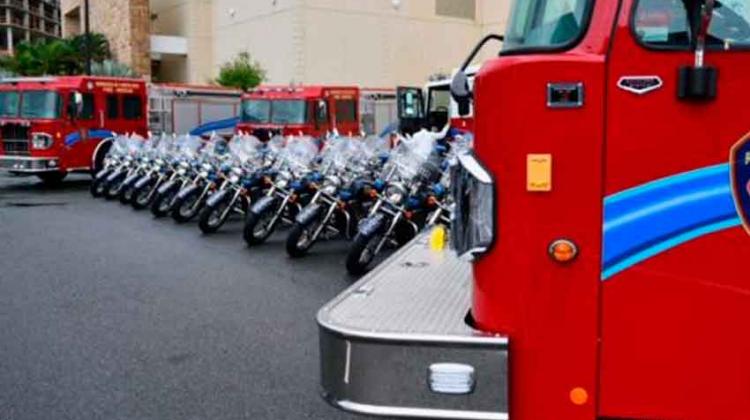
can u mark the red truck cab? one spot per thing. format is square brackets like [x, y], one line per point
[50, 126]
[606, 213]
[293, 110]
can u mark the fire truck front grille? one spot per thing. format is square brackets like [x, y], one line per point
[15, 139]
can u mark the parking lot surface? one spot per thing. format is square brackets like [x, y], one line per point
[108, 313]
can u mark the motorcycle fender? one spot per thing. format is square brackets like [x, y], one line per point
[143, 181]
[166, 187]
[216, 198]
[102, 174]
[263, 204]
[371, 225]
[308, 214]
[185, 192]
[114, 175]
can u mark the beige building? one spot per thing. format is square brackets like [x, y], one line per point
[366, 42]
[27, 21]
[124, 22]
[376, 43]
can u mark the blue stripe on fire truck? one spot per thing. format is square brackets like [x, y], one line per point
[214, 126]
[75, 136]
[653, 218]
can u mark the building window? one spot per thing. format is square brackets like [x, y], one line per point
[132, 107]
[346, 110]
[462, 9]
[113, 107]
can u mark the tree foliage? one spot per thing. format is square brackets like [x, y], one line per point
[63, 57]
[241, 72]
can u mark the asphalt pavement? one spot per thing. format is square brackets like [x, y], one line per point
[108, 313]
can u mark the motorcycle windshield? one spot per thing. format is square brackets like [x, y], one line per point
[337, 153]
[411, 153]
[188, 146]
[119, 146]
[245, 149]
[300, 152]
[135, 144]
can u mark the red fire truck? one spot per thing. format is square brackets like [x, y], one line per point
[315, 110]
[50, 126]
[606, 214]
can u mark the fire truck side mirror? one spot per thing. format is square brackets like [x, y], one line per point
[75, 106]
[699, 82]
[461, 92]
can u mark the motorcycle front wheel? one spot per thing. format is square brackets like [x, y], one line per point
[97, 185]
[185, 208]
[142, 196]
[259, 227]
[163, 202]
[212, 218]
[362, 253]
[112, 188]
[300, 239]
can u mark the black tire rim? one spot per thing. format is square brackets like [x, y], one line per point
[263, 227]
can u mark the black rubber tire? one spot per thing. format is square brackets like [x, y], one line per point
[127, 192]
[163, 203]
[248, 232]
[177, 208]
[98, 159]
[52, 179]
[141, 198]
[112, 188]
[207, 223]
[354, 264]
[293, 239]
[97, 186]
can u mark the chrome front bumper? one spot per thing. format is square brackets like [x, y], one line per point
[29, 165]
[396, 344]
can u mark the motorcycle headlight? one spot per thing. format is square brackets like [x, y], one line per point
[203, 174]
[181, 171]
[206, 167]
[473, 225]
[41, 141]
[184, 165]
[282, 183]
[237, 171]
[330, 189]
[234, 178]
[395, 197]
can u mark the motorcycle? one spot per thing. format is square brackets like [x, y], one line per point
[410, 195]
[185, 162]
[240, 186]
[341, 200]
[292, 180]
[130, 165]
[112, 161]
[162, 169]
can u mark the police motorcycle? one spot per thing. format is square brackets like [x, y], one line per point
[130, 165]
[348, 169]
[191, 198]
[411, 194]
[162, 168]
[292, 179]
[113, 160]
[143, 166]
[240, 186]
[185, 162]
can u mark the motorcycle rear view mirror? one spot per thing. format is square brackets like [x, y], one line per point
[699, 82]
[460, 84]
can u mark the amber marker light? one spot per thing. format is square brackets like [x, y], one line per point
[563, 251]
[579, 396]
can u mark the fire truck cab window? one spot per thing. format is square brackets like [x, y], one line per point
[9, 102]
[546, 24]
[132, 107]
[346, 110]
[256, 111]
[40, 104]
[113, 107]
[289, 111]
[87, 111]
[666, 24]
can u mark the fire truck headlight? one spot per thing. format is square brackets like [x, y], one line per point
[473, 225]
[41, 141]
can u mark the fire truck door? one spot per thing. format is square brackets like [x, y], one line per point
[411, 113]
[672, 235]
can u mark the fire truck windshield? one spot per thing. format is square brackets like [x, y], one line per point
[30, 104]
[277, 111]
[40, 104]
[9, 102]
[546, 24]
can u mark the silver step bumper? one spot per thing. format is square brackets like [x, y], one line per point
[28, 165]
[396, 344]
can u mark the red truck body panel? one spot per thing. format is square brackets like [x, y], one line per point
[648, 321]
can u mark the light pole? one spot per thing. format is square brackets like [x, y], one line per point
[87, 37]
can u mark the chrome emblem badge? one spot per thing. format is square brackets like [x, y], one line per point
[740, 167]
[640, 85]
